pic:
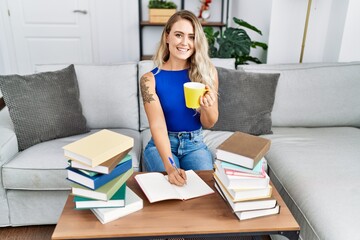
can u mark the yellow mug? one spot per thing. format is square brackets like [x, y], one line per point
[193, 91]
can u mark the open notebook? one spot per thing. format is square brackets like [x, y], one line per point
[156, 187]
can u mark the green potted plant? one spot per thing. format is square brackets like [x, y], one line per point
[161, 10]
[233, 42]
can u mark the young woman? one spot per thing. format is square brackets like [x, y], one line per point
[176, 130]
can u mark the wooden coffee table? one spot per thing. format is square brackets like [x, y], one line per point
[207, 216]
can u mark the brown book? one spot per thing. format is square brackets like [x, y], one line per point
[243, 149]
[105, 167]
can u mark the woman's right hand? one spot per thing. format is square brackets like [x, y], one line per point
[175, 178]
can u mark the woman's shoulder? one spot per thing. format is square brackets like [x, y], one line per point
[147, 78]
[148, 75]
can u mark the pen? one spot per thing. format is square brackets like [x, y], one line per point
[174, 165]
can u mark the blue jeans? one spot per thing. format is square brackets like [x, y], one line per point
[188, 149]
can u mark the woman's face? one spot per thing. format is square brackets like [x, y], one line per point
[181, 40]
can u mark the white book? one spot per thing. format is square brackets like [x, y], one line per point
[258, 204]
[133, 203]
[157, 187]
[243, 215]
[257, 213]
[246, 194]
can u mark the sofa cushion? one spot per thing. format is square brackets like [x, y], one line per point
[147, 65]
[42, 167]
[43, 106]
[245, 101]
[316, 170]
[315, 95]
[108, 94]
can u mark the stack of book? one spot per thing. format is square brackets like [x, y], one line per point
[240, 176]
[99, 166]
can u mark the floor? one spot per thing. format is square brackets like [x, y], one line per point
[27, 233]
[45, 232]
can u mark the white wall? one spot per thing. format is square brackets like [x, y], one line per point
[258, 14]
[7, 59]
[333, 26]
[114, 29]
[286, 29]
[317, 32]
[350, 49]
[335, 30]
[333, 33]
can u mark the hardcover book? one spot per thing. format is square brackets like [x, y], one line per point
[237, 195]
[233, 169]
[133, 203]
[105, 167]
[255, 204]
[106, 191]
[94, 182]
[239, 182]
[249, 214]
[243, 215]
[98, 147]
[243, 149]
[156, 187]
[118, 200]
[239, 173]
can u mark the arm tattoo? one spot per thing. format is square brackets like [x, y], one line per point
[147, 97]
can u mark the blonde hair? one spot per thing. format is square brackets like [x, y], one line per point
[201, 68]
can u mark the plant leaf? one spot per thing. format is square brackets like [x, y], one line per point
[246, 25]
[255, 44]
[239, 40]
[209, 34]
[226, 50]
[213, 52]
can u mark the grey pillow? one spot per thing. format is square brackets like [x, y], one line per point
[43, 106]
[246, 101]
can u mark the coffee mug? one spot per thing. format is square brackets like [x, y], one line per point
[193, 91]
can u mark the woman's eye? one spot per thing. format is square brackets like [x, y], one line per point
[178, 35]
[192, 37]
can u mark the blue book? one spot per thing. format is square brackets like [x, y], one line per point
[94, 182]
[257, 170]
[98, 169]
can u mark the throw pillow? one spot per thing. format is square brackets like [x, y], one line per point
[43, 106]
[245, 101]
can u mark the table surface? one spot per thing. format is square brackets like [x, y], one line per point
[208, 215]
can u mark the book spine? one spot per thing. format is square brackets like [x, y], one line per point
[105, 178]
[122, 180]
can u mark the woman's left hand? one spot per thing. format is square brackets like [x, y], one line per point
[208, 99]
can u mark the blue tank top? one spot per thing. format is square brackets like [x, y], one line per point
[170, 90]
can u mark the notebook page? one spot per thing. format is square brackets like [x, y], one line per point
[194, 187]
[156, 187]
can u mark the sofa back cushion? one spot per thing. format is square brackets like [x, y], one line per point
[315, 94]
[147, 65]
[245, 101]
[108, 94]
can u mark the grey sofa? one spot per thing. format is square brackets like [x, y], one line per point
[313, 160]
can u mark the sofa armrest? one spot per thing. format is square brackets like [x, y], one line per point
[8, 140]
[8, 145]
[8, 149]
